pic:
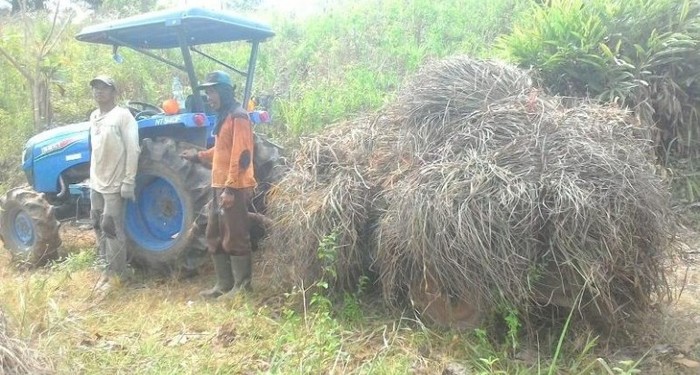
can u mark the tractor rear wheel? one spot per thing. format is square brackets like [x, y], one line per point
[28, 227]
[170, 194]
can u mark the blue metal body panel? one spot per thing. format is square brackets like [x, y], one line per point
[56, 150]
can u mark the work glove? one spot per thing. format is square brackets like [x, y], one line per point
[190, 155]
[227, 198]
[127, 191]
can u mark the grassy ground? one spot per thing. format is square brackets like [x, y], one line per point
[160, 326]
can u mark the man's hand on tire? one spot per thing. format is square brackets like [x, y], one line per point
[127, 191]
[190, 155]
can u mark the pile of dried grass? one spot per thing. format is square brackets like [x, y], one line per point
[475, 191]
[17, 358]
[530, 203]
[324, 192]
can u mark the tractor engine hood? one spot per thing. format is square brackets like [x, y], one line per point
[60, 140]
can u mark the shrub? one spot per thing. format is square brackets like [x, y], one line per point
[643, 54]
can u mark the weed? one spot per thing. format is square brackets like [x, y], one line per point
[624, 368]
[352, 310]
[513, 323]
[327, 254]
[489, 365]
[73, 262]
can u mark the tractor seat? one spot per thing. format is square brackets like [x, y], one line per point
[189, 105]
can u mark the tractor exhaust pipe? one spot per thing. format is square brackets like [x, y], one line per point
[64, 188]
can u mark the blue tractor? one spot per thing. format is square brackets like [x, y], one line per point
[171, 193]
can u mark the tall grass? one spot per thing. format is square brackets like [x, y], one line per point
[174, 332]
[353, 58]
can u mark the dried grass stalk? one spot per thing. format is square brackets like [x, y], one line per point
[16, 357]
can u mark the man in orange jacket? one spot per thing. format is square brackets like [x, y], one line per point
[233, 182]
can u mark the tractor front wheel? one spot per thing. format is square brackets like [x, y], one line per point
[28, 227]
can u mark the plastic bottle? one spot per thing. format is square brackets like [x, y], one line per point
[177, 92]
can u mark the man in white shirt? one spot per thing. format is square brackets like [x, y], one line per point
[114, 141]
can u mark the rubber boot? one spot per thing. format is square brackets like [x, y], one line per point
[224, 277]
[242, 273]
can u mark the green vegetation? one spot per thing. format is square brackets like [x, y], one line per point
[351, 59]
[344, 61]
[643, 54]
[161, 327]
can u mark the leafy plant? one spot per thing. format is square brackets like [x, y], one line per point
[327, 252]
[352, 310]
[643, 54]
[514, 325]
[624, 368]
[75, 261]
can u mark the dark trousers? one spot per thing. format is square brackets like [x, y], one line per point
[107, 214]
[228, 229]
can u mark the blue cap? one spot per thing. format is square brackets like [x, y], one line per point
[216, 78]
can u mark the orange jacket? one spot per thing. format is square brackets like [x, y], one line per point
[231, 157]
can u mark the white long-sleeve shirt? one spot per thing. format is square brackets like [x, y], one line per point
[114, 137]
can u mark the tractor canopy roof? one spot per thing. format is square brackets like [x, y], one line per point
[163, 29]
[184, 28]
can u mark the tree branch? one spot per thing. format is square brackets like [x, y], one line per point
[23, 71]
[42, 50]
[58, 35]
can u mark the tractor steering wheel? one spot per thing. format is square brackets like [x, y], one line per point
[141, 110]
